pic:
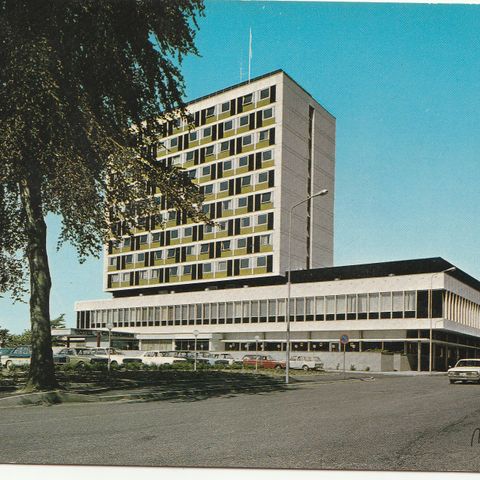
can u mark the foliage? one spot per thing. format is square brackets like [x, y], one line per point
[58, 322]
[84, 86]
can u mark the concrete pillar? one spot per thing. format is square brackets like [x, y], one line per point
[405, 348]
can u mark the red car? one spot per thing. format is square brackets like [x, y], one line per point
[263, 361]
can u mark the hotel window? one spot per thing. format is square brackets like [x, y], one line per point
[319, 308]
[397, 304]
[173, 142]
[207, 132]
[206, 171]
[261, 261]
[189, 157]
[222, 226]
[245, 263]
[265, 135]
[204, 248]
[156, 237]
[115, 278]
[243, 161]
[224, 146]
[262, 177]
[228, 126]
[373, 305]
[268, 113]
[267, 155]
[126, 277]
[174, 234]
[223, 186]
[225, 245]
[247, 140]
[209, 150]
[262, 219]
[207, 268]
[228, 165]
[330, 307]
[172, 215]
[227, 205]
[265, 93]
[189, 250]
[340, 307]
[309, 304]
[208, 228]
[362, 306]
[241, 243]
[385, 305]
[246, 311]
[187, 269]
[143, 239]
[187, 231]
[244, 121]
[206, 210]
[245, 222]
[112, 261]
[210, 112]
[173, 271]
[128, 258]
[248, 98]
[144, 275]
[126, 242]
[154, 273]
[193, 136]
[254, 311]
[192, 174]
[225, 107]
[176, 160]
[241, 202]
[208, 189]
[246, 180]
[410, 302]
[171, 253]
[221, 266]
[140, 257]
[265, 240]
[351, 307]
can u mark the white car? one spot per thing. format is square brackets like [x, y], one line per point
[305, 362]
[116, 357]
[155, 357]
[466, 370]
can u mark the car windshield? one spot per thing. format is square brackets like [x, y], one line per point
[468, 363]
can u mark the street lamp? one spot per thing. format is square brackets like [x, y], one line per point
[430, 314]
[109, 326]
[289, 279]
[195, 334]
[257, 338]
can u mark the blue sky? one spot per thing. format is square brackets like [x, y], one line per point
[403, 82]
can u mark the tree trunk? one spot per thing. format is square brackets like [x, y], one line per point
[42, 373]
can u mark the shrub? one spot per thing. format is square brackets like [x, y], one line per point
[367, 369]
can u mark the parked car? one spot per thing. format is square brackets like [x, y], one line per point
[155, 357]
[305, 362]
[22, 355]
[262, 361]
[466, 370]
[116, 357]
[4, 352]
[226, 358]
[77, 357]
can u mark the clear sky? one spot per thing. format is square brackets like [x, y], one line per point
[403, 82]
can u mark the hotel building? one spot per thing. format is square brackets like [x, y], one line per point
[257, 149]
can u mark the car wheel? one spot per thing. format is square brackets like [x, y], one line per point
[305, 368]
[278, 367]
[9, 365]
[79, 366]
[114, 363]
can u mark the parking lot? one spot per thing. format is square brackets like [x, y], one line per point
[381, 422]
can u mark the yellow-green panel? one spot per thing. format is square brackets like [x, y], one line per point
[248, 107]
[228, 173]
[222, 234]
[266, 248]
[210, 120]
[175, 241]
[261, 228]
[207, 275]
[124, 284]
[245, 271]
[143, 281]
[208, 236]
[227, 213]
[240, 211]
[227, 253]
[205, 140]
[222, 194]
[155, 245]
[259, 270]
[246, 230]
[248, 148]
[261, 186]
[129, 266]
[115, 284]
[243, 129]
[209, 197]
[191, 258]
[246, 189]
[224, 154]
[241, 251]
[171, 223]
[203, 256]
[173, 150]
[186, 278]
[170, 260]
[263, 103]
[268, 163]
[229, 133]
[262, 144]
[210, 158]
[188, 164]
[223, 115]
[159, 261]
[266, 206]
[268, 121]
[144, 246]
[112, 268]
[240, 170]
[221, 274]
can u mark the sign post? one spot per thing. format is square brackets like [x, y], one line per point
[344, 340]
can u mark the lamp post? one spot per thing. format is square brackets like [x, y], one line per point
[257, 338]
[195, 334]
[289, 278]
[109, 326]
[430, 314]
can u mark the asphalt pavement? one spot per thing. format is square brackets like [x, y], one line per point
[380, 423]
